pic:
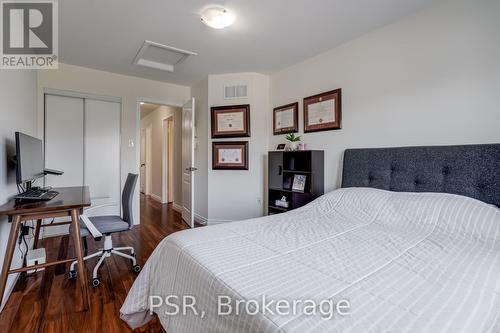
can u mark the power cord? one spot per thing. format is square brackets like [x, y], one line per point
[25, 231]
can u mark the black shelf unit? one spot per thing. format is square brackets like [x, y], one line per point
[283, 166]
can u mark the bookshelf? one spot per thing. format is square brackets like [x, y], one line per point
[282, 168]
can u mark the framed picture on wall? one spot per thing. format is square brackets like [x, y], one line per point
[323, 112]
[230, 121]
[286, 119]
[230, 155]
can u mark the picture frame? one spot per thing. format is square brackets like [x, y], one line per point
[281, 146]
[299, 183]
[230, 155]
[286, 119]
[230, 121]
[323, 112]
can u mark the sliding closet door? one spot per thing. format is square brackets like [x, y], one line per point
[64, 140]
[102, 155]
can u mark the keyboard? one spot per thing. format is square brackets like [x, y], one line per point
[37, 195]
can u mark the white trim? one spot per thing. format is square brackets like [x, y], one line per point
[76, 94]
[200, 219]
[155, 197]
[148, 133]
[177, 207]
[165, 160]
[215, 221]
[8, 291]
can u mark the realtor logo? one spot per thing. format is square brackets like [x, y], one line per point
[29, 38]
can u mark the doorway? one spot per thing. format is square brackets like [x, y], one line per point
[160, 152]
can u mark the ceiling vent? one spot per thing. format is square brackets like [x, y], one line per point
[232, 92]
[159, 56]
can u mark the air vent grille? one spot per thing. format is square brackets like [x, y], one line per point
[159, 56]
[238, 91]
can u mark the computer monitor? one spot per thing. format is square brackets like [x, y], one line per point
[29, 158]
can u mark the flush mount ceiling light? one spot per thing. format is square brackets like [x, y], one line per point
[217, 17]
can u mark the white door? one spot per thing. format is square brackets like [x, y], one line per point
[64, 140]
[102, 155]
[187, 162]
[143, 161]
[82, 138]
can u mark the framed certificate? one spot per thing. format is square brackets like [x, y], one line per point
[230, 155]
[230, 121]
[323, 112]
[285, 119]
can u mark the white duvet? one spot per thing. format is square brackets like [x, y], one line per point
[406, 262]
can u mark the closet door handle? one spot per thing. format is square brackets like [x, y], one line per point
[280, 170]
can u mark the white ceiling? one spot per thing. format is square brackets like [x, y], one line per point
[267, 36]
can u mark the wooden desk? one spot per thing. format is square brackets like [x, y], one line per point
[69, 202]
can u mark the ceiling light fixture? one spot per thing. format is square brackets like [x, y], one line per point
[217, 17]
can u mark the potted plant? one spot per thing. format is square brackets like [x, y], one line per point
[293, 141]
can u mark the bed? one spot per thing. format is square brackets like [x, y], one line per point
[411, 241]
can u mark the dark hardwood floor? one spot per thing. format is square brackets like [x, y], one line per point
[49, 301]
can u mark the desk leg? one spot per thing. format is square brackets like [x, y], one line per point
[82, 276]
[11, 246]
[37, 233]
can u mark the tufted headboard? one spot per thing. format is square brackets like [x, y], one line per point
[469, 170]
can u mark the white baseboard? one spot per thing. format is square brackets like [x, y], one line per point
[200, 219]
[216, 221]
[8, 290]
[11, 281]
[156, 197]
[177, 207]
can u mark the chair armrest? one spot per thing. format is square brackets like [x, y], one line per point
[100, 206]
[91, 227]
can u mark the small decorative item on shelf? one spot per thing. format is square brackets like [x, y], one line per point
[299, 183]
[302, 146]
[293, 141]
[281, 202]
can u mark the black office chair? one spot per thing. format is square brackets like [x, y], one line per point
[96, 226]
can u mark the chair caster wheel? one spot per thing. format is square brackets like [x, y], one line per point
[96, 282]
[136, 268]
[72, 274]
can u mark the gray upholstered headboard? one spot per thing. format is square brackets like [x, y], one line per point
[469, 170]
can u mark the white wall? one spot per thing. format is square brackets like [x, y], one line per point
[239, 194]
[155, 120]
[129, 89]
[17, 113]
[429, 79]
[202, 115]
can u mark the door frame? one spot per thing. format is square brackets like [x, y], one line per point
[148, 134]
[168, 140]
[136, 143]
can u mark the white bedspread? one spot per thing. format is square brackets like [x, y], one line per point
[407, 262]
